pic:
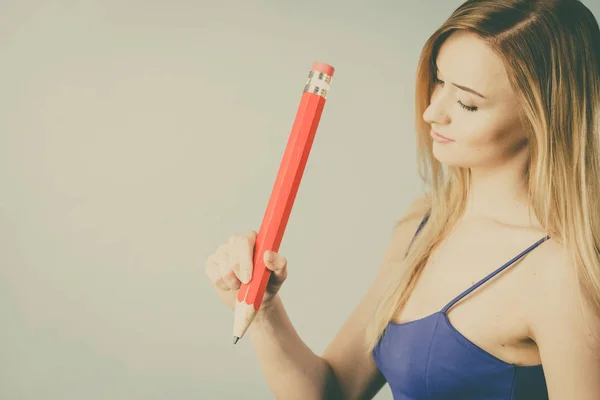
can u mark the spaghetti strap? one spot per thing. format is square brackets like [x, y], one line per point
[481, 282]
[423, 221]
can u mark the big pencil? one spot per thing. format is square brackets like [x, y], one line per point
[284, 191]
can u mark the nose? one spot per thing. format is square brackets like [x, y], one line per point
[437, 112]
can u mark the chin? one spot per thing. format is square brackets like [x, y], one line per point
[450, 158]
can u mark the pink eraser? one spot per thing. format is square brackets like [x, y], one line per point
[323, 67]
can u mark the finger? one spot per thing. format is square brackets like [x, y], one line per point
[232, 280]
[227, 273]
[232, 253]
[220, 256]
[246, 257]
[277, 264]
[222, 260]
[214, 275]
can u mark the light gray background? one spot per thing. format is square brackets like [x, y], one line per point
[136, 136]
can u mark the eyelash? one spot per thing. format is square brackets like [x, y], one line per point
[460, 103]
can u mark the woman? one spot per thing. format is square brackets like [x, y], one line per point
[490, 285]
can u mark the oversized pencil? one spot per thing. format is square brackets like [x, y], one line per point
[284, 191]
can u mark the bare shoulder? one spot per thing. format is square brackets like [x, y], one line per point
[557, 291]
[565, 327]
[405, 228]
[416, 210]
[556, 285]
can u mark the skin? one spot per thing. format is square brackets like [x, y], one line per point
[511, 316]
[527, 315]
[495, 226]
[489, 141]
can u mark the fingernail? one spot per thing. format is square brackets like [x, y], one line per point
[269, 257]
[247, 278]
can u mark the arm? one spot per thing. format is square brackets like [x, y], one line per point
[291, 368]
[568, 340]
[346, 370]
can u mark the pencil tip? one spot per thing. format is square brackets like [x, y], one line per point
[235, 339]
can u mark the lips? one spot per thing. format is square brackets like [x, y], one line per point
[437, 134]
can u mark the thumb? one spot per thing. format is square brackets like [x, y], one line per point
[277, 264]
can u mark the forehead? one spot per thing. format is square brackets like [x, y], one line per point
[467, 60]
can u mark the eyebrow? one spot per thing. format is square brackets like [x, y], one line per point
[466, 89]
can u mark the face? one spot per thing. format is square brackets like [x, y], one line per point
[486, 131]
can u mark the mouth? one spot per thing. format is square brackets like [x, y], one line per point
[434, 133]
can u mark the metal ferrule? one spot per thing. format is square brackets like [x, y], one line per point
[317, 83]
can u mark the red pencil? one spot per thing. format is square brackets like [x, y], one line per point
[283, 194]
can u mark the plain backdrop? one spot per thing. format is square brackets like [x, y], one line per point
[137, 136]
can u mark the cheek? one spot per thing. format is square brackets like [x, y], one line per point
[490, 131]
[478, 144]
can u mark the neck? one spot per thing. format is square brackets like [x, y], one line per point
[500, 194]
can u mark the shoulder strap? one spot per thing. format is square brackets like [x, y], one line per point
[481, 282]
[423, 221]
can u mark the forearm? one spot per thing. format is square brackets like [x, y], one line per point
[291, 368]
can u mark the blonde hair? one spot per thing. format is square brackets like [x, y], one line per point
[551, 52]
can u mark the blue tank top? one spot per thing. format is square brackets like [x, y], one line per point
[429, 359]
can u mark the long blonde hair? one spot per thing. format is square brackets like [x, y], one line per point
[551, 52]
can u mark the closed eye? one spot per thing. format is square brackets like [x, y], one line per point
[460, 103]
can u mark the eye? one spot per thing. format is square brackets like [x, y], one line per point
[460, 103]
[466, 107]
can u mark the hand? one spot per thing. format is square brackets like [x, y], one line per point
[233, 263]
